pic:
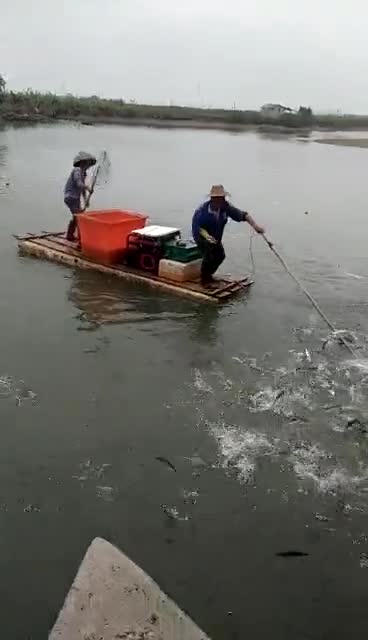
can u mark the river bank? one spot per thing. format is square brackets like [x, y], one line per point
[159, 123]
[359, 143]
[31, 107]
[145, 121]
[268, 128]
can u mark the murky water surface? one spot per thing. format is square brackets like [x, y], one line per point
[224, 449]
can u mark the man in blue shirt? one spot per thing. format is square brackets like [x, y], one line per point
[208, 226]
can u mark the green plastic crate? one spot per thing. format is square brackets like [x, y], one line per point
[182, 251]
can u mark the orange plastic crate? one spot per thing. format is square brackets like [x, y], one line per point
[104, 234]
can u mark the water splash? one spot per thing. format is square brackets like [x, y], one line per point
[309, 404]
[17, 390]
[326, 473]
[240, 449]
[361, 364]
[363, 562]
[90, 471]
[107, 494]
[190, 496]
[354, 275]
[200, 382]
[172, 513]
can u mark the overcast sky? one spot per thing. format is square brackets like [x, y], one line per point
[195, 52]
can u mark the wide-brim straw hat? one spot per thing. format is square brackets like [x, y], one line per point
[85, 158]
[218, 191]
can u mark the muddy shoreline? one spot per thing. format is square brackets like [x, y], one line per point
[157, 123]
[359, 143]
[189, 123]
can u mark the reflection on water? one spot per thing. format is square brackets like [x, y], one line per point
[3, 152]
[283, 134]
[204, 326]
[103, 300]
[4, 180]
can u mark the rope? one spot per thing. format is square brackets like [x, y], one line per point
[251, 255]
[309, 296]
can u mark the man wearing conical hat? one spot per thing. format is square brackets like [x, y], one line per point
[208, 226]
[76, 187]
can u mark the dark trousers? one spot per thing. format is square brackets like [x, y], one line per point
[72, 226]
[74, 207]
[213, 256]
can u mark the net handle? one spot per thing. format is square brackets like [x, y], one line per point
[94, 180]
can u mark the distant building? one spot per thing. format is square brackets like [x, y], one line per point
[274, 110]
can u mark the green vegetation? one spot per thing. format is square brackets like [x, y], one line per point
[31, 106]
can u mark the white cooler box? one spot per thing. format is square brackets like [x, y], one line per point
[180, 271]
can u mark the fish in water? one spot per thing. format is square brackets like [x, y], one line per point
[279, 395]
[355, 422]
[296, 418]
[342, 334]
[166, 461]
[196, 460]
[307, 355]
[291, 554]
[354, 275]
[172, 513]
[321, 518]
[330, 407]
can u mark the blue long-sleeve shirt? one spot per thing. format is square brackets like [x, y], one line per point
[74, 187]
[214, 222]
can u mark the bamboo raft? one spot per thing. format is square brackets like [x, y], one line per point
[54, 247]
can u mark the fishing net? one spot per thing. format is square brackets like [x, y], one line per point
[101, 174]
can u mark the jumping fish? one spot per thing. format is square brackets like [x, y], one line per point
[291, 554]
[279, 395]
[172, 513]
[196, 460]
[166, 461]
[354, 275]
[330, 407]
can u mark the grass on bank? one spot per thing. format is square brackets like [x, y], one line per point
[34, 106]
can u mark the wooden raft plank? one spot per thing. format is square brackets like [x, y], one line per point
[226, 286]
[58, 249]
[227, 289]
[40, 250]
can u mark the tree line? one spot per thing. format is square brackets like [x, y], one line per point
[35, 106]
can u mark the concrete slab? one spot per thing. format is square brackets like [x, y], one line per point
[112, 598]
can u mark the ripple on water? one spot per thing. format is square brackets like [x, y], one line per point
[17, 390]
